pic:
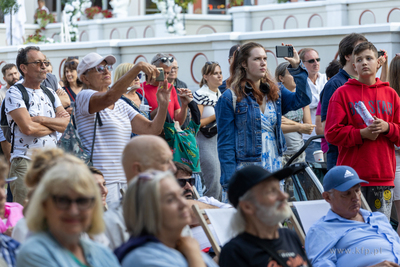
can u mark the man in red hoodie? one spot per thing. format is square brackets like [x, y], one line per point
[367, 149]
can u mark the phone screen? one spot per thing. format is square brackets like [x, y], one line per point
[284, 51]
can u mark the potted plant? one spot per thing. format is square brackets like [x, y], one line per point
[91, 12]
[36, 38]
[43, 18]
[107, 14]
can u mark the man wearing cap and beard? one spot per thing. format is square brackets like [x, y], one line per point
[261, 206]
[348, 234]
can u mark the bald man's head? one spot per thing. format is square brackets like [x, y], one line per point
[146, 152]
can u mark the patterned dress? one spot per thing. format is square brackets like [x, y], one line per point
[270, 159]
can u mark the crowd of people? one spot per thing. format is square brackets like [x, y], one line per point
[102, 171]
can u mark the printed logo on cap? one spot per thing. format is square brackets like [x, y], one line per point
[348, 174]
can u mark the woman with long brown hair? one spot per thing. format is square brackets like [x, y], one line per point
[249, 114]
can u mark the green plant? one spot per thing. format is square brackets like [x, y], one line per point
[35, 38]
[184, 4]
[9, 6]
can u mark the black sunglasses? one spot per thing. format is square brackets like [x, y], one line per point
[165, 59]
[182, 182]
[71, 58]
[72, 63]
[64, 202]
[311, 61]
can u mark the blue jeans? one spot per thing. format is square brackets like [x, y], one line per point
[313, 146]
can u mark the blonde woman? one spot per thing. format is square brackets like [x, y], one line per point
[132, 97]
[65, 205]
[155, 213]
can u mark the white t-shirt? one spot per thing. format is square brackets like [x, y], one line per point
[315, 90]
[40, 105]
[111, 137]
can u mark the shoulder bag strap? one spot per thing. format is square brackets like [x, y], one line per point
[94, 134]
[270, 252]
[25, 98]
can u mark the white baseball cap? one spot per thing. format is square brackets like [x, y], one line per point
[92, 60]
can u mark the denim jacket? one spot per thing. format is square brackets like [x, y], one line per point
[239, 131]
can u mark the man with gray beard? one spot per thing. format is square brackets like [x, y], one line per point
[261, 206]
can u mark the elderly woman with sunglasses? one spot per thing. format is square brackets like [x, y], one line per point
[206, 98]
[155, 213]
[114, 119]
[65, 205]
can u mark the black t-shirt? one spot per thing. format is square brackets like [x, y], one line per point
[244, 250]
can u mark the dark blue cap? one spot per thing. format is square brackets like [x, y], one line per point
[341, 178]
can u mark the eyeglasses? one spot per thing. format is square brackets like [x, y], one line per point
[100, 68]
[72, 58]
[71, 63]
[182, 182]
[39, 63]
[212, 62]
[311, 61]
[165, 59]
[64, 203]
[174, 68]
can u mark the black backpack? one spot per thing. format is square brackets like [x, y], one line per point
[5, 127]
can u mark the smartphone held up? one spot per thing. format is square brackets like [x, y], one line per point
[284, 51]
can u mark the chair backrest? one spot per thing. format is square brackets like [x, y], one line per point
[221, 219]
[318, 209]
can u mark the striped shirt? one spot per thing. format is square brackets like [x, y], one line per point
[111, 137]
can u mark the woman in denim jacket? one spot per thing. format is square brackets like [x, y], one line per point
[249, 114]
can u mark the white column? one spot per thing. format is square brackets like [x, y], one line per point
[337, 13]
[241, 20]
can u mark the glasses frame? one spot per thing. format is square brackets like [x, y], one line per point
[38, 63]
[107, 66]
[191, 181]
[311, 61]
[165, 59]
[59, 206]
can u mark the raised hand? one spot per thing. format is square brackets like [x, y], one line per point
[164, 93]
[295, 60]
[150, 71]
[185, 95]
[382, 60]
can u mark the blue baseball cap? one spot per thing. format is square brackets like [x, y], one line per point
[341, 178]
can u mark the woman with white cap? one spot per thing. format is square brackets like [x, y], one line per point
[105, 122]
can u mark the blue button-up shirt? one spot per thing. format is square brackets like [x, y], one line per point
[336, 241]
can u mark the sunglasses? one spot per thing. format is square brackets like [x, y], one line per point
[165, 59]
[64, 203]
[311, 61]
[212, 62]
[39, 63]
[101, 68]
[182, 182]
[72, 58]
[71, 63]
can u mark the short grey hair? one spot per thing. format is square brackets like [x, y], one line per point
[157, 62]
[142, 203]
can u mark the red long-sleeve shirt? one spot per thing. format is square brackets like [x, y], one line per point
[374, 161]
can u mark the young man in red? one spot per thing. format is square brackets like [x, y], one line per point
[368, 150]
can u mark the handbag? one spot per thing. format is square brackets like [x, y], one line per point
[70, 141]
[210, 130]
